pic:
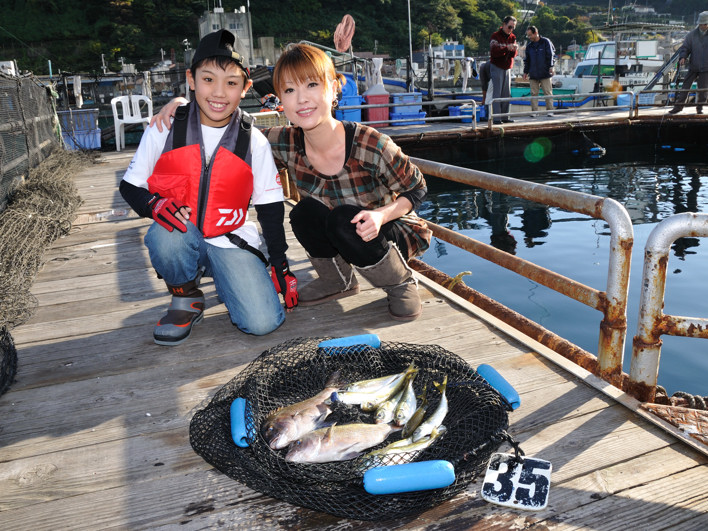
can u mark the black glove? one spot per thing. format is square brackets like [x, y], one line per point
[164, 210]
[285, 283]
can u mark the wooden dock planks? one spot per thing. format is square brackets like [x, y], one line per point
[94, 432]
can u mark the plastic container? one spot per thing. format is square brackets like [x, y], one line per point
[82, 139]
[454, 110]
[78, 120]
[415, 118]
[646, 98]
[352, 115]
[467, 112]
[406, 97]
[624, 100]
[378, 113]
[349, 88]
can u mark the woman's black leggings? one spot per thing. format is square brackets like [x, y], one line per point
[325, 233]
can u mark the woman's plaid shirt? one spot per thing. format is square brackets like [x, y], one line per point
[375, 173]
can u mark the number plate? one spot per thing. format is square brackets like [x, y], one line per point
[523, 485]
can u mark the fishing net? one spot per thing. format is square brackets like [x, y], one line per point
[8, 360]
[38, 213]
[296, 370]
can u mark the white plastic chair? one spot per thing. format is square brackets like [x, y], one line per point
[129, 110]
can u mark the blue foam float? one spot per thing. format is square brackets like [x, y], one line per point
[238, 423]
[409, 477]
[497, 381]
[371, 340]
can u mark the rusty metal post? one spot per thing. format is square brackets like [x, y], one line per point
[652, 323]
[613, 328]
[613, 302]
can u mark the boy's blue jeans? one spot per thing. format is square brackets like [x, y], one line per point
[240, 277]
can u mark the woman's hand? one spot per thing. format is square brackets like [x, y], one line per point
[368, 224]
[168, 111]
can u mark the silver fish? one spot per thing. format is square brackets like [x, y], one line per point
[369, 386]
[436, 419]
[289, 423]
[417, 417]
[338, 443]
[369, 401]
[407, 405]
[386, 410]
[408, 445]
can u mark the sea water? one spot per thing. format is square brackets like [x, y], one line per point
[666, 182]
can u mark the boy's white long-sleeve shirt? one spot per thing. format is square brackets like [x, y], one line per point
[266, 181]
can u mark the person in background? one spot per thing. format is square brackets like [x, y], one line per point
[502, 50]
[196, 182]
[358, 190]
[695, 49]
[538, 67]
[485, 76]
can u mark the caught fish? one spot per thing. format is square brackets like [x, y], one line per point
[289, 423]
[407, 404]
[405, 446]
[370, 400]
[436, 419]
[417, 417]
[385, 412]
[338, 443]
[369, 386]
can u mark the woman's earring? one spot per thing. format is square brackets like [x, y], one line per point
[335, 103]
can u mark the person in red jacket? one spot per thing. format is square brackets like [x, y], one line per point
[502, 50]
[196, 182]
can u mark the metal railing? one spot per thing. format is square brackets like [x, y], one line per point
[668, 101]
[569, 103]
[612, 302]
[566, 104]
[652, 322]
[426, 119]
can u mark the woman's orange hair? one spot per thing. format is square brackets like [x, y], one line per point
[300, 62]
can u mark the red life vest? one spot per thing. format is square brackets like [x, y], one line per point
[219, 192]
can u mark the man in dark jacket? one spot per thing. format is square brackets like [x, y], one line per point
[538, 66]
[695, 49]
[502, 50]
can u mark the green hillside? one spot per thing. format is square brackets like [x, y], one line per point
[76, 36]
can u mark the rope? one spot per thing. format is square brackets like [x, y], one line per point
[692, 401]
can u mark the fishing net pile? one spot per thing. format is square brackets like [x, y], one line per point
[38, 212]
[296, 370]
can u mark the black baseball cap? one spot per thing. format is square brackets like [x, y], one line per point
[220, 43]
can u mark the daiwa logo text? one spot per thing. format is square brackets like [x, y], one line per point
[230, 216]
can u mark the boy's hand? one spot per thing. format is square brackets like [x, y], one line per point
[169, 213]
[168, 111]
[285, 283]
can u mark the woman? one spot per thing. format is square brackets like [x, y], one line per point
[358, 190]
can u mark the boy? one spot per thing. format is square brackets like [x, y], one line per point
[196, 181]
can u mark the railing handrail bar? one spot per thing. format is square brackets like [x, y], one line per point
[596, 95]
[613, 302]
[652, 323]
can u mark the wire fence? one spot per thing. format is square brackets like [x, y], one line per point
[29, 130]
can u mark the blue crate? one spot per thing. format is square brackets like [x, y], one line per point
[413, 116]
[78, 119]
[352, 115]
[82, 139]
[406, 97]
[465, 112]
